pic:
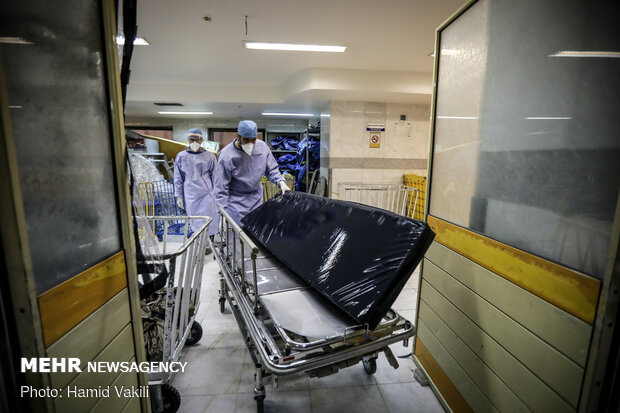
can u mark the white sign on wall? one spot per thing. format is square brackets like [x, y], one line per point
[375, 127]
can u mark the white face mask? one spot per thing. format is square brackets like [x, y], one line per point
[247, 148]
[194, 146]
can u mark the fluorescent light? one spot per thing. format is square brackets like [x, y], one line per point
[138, 41]
[295, 47]
[573, 53]
[15, 106]
[549, 118]
[287, 114]
[14, 40]
[185, 113]
[325, 115]
[457, 117]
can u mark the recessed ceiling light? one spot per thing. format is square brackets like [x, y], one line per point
[138, 41]
[572, 53]
[287, 114]
[295, 47]
[185, 113]
[457, 117]
[14, 40]
[549, 118]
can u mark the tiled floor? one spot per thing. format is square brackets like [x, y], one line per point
[219, 373]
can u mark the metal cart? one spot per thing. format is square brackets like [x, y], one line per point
[288, 327]
[397, 198]
[183, 259]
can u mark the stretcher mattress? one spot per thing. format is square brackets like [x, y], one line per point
[358, 257]
[291, 303]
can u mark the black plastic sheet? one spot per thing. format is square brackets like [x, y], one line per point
[357, 256]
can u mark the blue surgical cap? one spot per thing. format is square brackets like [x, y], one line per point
[195, 131]
[247, 129]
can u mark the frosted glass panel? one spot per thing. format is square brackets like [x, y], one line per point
[57, 90]
[527, 140]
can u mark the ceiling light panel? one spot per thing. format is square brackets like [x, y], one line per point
[308, 115]
[574, 53]
[295, 47]
[185, 113]
[548, 118]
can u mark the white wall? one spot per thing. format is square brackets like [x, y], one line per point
[404, 145]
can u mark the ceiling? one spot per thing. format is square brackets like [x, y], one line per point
[205, 66]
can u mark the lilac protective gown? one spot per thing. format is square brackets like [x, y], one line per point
[193, 181]
[237, 178]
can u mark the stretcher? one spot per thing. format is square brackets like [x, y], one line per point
[288, 327]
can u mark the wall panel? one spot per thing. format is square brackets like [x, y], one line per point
[525, 384]
[564, 332]
[554, 368]
[475, 398]
[91, 336]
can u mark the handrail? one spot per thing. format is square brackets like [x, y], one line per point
[244, 237]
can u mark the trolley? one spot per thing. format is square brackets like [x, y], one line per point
[182, 260]
[288, 327]
[397, 198]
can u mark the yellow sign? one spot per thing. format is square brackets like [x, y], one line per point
[375, 139]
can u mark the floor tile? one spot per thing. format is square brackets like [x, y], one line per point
[226, 339]
[387, 374]
[350, 376]
[208, 404]
[347, 399]
[407, 300]
[210, 371]
[297, 401]
[410, 397]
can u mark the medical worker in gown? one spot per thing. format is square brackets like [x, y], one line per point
[241, 165]
[193, 181]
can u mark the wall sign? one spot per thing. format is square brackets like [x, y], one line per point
[375, 127]
[375, 139]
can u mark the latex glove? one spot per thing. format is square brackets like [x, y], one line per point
[284, 187]
[180, 203]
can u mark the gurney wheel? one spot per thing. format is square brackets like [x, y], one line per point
[370, 365]
[195, 334]
[171, 397]
[260, 403]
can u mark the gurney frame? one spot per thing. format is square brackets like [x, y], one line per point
[276, 351]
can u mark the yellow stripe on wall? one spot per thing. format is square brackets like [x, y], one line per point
[570, 290]
[70, 302]
[449, 392]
